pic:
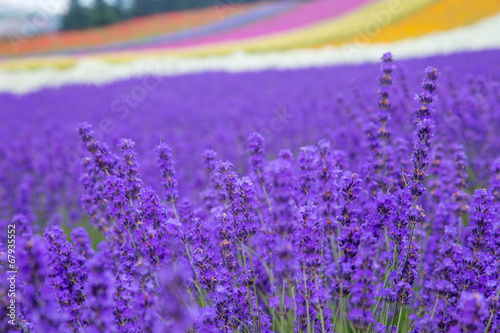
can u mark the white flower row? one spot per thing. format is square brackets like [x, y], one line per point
[479, 36]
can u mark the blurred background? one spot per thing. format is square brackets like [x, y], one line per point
[84, 14]
[123, 38]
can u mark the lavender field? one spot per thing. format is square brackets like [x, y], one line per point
[342, 199]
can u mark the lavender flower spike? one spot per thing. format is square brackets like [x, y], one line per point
[166, 164]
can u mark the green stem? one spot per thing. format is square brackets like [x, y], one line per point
[409, 246]
[334, 251]
[132, 239]
[156, 279]
[322, 321]
[432, 314]
[248, 288]
[459, 228]
[254, 288]
[434, 308]
[272, 271]
[399, 318]
[380, 318]
[307, 301]
[385, 285]
[491, 315]
[282, 305]
[394, 317]
[386, 239]
[251, 308]
[341, 307]
[175, 211]
[267, 197]
[336, 316]
[341, 302]
[260, 218]
[292, 290]
[386, 314]
[196, 282]
[191, 297]
[384, 155]
[239, 257]
[320, 310]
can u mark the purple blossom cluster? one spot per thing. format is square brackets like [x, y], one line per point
[387, 222]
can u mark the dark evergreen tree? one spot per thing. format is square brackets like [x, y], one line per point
[76, 18]
[106, 12]
[102, 14]
[121, 13]
[146, 7]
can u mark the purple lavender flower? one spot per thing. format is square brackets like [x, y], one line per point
[256, 149]
[81, 242]
[308, 161]
[348, 240]
[478, 272]
[68, 274]
[38, 300]
[103, 158]
[481, 221]
[129, 168]
[166, 165]
[495, 180]
[100, 291]
[472, 310]
[377, 132]
[22, 224]
[422, 137]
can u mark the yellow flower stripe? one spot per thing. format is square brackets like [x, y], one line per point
[440, 16]
[317, 34]
[380, 21]
[344, 26]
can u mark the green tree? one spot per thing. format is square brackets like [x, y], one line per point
[120, 12]
[76, 18]
[146, 7]
[102, 14]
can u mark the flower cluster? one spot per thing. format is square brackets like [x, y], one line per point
[359, 232]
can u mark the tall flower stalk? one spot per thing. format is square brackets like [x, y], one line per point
[334, 236]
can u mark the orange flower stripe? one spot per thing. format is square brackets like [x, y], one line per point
[440, 15]
[129, 30]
